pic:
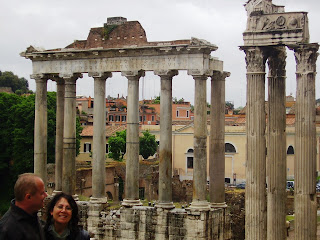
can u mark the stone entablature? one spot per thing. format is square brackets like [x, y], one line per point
[269, 25]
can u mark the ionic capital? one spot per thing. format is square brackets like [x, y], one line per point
[39, 77]
[100, 75]
[133, 75]
[166, 74]
[219, 76]
[70, 76]
[200, 72]
[306, 56]
[255, 59]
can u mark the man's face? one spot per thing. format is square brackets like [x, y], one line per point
[38, 198]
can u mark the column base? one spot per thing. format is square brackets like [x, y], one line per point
[218, 205]
[55, 192]
[165, 205]
[131, 203]
[199, 206]
[103, 200]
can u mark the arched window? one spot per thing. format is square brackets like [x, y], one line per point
[290, 150]
[190, 150]
[229, 148]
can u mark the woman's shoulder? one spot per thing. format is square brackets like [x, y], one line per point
[83, 235]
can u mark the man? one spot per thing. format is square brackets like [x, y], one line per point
[21, 220]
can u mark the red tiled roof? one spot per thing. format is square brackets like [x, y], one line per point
[110, 130]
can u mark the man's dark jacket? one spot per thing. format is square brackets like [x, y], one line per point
[16, 224]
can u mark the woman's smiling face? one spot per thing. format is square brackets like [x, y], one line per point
[62, 212]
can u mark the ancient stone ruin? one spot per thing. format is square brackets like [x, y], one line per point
[122, 46]
[269, 31]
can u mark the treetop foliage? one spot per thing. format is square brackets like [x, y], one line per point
[8, 79]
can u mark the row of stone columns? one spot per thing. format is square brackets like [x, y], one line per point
[265, 216]
[66, 137]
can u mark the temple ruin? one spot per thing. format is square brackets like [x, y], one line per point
[269, 30]
[122, 46]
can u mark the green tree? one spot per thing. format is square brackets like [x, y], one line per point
[148, 145]
[8, 79]
[117, 145]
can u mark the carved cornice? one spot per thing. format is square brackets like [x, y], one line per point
[255, 59]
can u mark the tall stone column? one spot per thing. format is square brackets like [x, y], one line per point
[305, 203]
[69, 135]
[276, 159]
[99, 137]
[256, 202]
[132, 162]
[216, 141]
[59, 134]
[165, 166]
[40, 127]
[199, 201]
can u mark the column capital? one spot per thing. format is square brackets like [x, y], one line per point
[133, 75]
[306, 56]
[200, 72]
[277, 62]
[220, 76]
[100, 75]
[39, 76]
[166, 73]
[73, 76]
[255, 59]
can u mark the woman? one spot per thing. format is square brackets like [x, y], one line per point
[62, 219]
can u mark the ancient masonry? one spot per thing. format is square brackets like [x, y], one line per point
[122, 46]
[269, 30]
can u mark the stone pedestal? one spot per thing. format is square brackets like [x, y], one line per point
[40, 127]
[276, 159]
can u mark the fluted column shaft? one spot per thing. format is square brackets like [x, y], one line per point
[40, 128]
[132, 142]
[216, 141]
[276, 159]
[200, 144]
[69, 135]
[59, 134]
[305, 141]
[99, 137]
[165, 165]
[256, 221]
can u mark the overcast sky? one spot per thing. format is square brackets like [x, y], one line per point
[55, 24]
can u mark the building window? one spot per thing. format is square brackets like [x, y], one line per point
[107, 148]
[140, 118]
[177, 113]
[190, 158]
[87, 147]
[189, 162]
[152, 118]
[229, 148]
[117, 118]
[290, 150]
[123, 118]
[110, 118]
[144, 118]
[187, 114]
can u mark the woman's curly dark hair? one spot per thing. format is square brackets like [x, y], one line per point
[73, 224]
